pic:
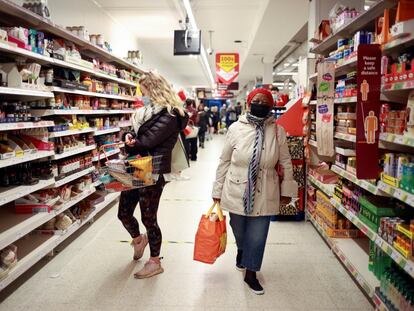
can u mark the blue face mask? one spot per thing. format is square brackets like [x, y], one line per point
[146, 100]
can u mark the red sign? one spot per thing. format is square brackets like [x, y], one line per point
[368, 110]
[227, 67]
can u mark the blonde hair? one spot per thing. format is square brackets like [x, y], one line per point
[160, 92]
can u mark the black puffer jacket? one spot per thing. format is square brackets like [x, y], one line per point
[158, 136]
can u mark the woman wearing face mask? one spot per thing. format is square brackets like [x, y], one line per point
[156, 129]
[247, 183]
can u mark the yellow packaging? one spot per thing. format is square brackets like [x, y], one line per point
[143, 169]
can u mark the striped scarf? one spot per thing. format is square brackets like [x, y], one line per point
[248, 197]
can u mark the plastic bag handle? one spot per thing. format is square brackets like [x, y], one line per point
[219, 211]
[103, 149]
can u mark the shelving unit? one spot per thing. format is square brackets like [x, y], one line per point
[20, 229]
[355, 260]
[26, 158]
[67, 112]
[40, 245]
[73, 152]
[353, 256]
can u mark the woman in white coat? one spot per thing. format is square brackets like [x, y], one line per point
[247, 183]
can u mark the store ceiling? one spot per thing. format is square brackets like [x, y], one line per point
[264, 26]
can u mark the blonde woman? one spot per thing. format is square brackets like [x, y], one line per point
[156, 129]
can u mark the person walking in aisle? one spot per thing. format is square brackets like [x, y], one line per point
[247, 184]
[203, 120]
[223, 113]
[231, 115]
[156, 129]
[239, 109]
[192, 147]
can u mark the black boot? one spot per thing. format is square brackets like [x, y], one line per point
[253, 282]
[239, 266]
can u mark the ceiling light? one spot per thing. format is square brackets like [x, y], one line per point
[284, 73]
[286, 64]
[366, 7]
[295, 65]
[274, 73]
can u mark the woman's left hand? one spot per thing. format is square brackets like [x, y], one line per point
[129, 140]
[285, 200]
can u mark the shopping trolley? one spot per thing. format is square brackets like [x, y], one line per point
[127, 174]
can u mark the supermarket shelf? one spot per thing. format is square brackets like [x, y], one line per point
[10, 49]
[26, 18]
[25, 125]
[10, 194]
[398, 86]
[345, 100]
[97, 183]
[313, 143]
[107, 131]
[380, 305]
[346, 66]
[397, 193]
[347, 137]
[50, 244]
[328, 189]
[73, 177]
[400, 43]
[26, 158]
[405, 264]
[92, 94]
[356, 24]
[73, 152]
[64, 112]
[353, 257]
[70, 132]
[10, 92]
[360, 182]
[26, 223]
[108, 154]
[397, 139]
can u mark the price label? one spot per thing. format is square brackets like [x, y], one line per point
[399, 140]
[410, 269]
[410, 200]
[395, 256]
[379, 241]
[399, 194]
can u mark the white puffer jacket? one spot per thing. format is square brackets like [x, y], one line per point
[232, 172]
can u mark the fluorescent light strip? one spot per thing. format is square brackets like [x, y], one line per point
[286, 73]
[193, 25]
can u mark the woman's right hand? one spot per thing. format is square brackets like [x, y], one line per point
[130, 140]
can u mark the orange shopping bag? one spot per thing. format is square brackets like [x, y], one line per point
[211, 236]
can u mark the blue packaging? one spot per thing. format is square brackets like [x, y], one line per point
[347, 52]
[342, 42]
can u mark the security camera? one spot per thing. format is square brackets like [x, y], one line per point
[210, 51]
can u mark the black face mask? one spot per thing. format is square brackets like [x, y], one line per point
[260, 111]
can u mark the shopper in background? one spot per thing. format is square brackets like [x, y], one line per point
[192, 147]
[247, 184]
[231, 115]
[223, 113]
[156, 129]
[216, 118]
[203, 121]
[239, 109]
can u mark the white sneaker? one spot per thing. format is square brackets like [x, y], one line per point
[151, 268]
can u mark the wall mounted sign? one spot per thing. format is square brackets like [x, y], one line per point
[227, 67]
[368, 110]
[325, 108]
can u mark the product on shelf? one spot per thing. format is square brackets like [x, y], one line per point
[37, 6]
[323, 174]
[398, 171]
[396, 289]
[8, 260]
[341, 15]
[334, 223]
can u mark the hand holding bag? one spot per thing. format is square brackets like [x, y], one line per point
[192, 130]
[211, 236]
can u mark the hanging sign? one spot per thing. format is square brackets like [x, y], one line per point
[325, 108]
[227, 67]
[368, 109]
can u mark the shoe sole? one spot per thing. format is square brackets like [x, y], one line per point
[140, 277]
[257, 292]
[240, 269]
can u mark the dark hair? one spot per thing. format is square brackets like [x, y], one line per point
[190, 102]
[275, 88]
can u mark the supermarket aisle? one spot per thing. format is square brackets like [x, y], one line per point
[95, 272]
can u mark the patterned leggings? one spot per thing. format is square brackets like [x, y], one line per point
[149, 199]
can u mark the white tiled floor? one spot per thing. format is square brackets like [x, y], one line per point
[95, 272]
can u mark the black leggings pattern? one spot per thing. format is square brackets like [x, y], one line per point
[149, 199]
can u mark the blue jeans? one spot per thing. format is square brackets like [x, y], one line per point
[251, 235]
